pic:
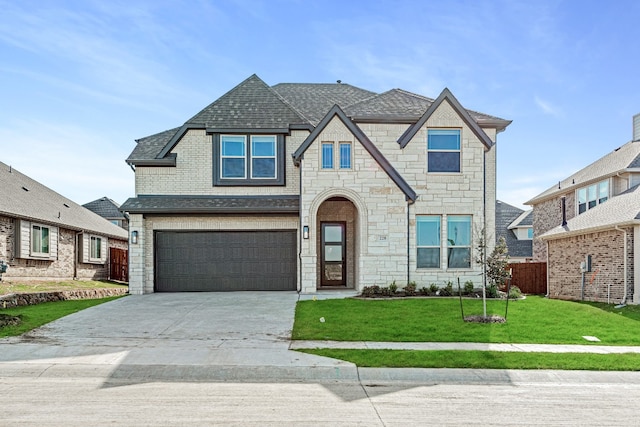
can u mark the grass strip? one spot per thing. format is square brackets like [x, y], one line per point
[533, 320]
[482, 359]
[34, 316]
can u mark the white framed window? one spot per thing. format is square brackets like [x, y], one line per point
[345, 155]
[443, 150]
[529, 233]
[327, 155]
[459, 241]
[40, 240]
[233, 157]
[263, 157]
[95, 248]
[591, 196]
[428, 241]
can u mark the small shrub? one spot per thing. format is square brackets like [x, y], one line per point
[371, 291]
[433, 288]
[514, 292]
[386, 292]
[492, 291]
[393, 287]
[468, 287]
[448, 289]
[410, 289]
[425, 291]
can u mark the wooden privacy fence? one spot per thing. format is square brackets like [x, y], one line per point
[530, 277]
[119, 265]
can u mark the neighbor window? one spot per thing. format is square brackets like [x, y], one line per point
[39, 240]
[345, 155]
[529, 233]
[327, 155]
[459, 241]
[443, 150]
[233, 156]
[591, 196]
[263, 157]
[428, 241]
[95, 248]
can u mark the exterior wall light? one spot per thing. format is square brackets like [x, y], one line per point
[134, 237]
[305, 232]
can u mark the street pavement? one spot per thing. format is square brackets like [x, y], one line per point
[226, 359]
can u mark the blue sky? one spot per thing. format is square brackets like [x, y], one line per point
[81, 80]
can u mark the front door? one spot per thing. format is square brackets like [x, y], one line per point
[333, 254]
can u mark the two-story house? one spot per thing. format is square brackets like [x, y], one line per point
[313, 186]
[587, 229]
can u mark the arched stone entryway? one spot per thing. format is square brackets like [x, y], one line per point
[336, 243]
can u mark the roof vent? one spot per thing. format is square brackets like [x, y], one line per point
[636, 127]
[339, 81]
[25, 188]
[65, 205]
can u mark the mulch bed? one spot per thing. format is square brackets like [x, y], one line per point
[482, 319]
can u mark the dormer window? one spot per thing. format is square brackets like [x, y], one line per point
[591, 196]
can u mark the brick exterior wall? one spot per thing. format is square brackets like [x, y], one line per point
[193, 173]
[548, 215]
[59, 268]
[605, 283]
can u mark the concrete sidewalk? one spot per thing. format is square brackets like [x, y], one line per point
[542, 348]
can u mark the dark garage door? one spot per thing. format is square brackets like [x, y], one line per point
[225, 261]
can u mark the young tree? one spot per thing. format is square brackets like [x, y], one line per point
[494, 267]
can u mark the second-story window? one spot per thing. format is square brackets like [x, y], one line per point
[443, 150]
[248, 159]
[327, 155]
[591, 196]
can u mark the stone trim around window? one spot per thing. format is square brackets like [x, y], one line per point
[248, 180]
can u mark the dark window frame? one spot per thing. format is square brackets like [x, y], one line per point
[219, 181]
[442, 160]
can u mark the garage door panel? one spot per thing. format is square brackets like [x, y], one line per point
[225, 260]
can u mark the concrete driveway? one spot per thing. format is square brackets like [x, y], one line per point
[170, 336]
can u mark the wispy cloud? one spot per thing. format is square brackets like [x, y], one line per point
[547, 107]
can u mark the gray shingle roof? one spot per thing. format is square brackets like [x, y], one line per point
[622, 158]
[314, 100]
[254, 105]
[212, 204]
[505, 216]
[25, 198]
[149, 147]
[624, 209]
[250, 105]
[106, 208]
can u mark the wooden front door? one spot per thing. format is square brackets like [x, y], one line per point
[333, 254]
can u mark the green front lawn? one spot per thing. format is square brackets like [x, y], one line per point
[532, 320]
[33, 316]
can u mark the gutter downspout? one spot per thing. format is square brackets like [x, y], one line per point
[548, 292]
[624, 263]
[484, 234]
[300, 227]
[409, 203]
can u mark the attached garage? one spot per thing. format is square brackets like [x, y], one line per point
[210, 261]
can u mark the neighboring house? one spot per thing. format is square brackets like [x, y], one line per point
[313, 186]
[110, 210]
[516, 226]
[45, 236]
[587, 229]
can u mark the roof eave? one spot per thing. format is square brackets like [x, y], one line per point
[589, 230]
[169, 160]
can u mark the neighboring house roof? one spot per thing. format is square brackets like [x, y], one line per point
[336, 111]
[254, 105]
[106, 208]
[212, 204]
[23, 197]
[622, 210]
[621, 159]
[506, 216]
[524, 220]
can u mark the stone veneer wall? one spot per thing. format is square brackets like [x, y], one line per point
[605, 283]
[18, 300]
